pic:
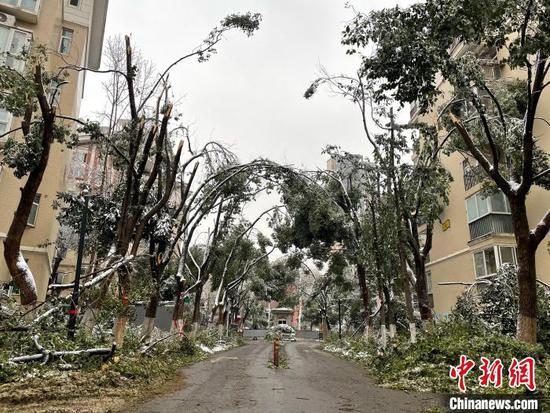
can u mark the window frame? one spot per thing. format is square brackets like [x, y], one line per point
[8, 123]
[498, 259]
[79, 3]
[62, 37]
[6, 51]
[18, 5]
[490, 209]
[36, 206]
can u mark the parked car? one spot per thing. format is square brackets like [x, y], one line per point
[286, 332]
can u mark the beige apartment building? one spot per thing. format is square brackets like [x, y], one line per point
[475, 234]
[72, 31]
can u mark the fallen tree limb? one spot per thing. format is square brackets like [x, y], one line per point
[150, 346]
[104, 274]
[47, 355]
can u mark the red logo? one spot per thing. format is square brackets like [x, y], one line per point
[459, 372]
[520, 372]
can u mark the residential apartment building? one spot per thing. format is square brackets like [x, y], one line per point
[475, 234]
[72, 31]
[89, 166]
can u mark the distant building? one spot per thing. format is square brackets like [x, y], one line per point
[89, 166]
[281, 315]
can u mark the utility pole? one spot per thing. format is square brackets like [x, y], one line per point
[340, 319]
[76, 288]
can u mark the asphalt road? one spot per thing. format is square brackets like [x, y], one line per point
[239, 380]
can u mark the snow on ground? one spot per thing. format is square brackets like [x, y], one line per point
[346, 352]
[218, 347]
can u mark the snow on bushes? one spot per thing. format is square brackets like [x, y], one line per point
[424, 366]
[493, 304]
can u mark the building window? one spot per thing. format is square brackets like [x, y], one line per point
[488, 215]
[31, 221]
[5, 121]
[478, 206]
[429, 282]
[31, 5]
[74, 3]
[13, 44]
[66, 40]
[487, 261]
[507, 255]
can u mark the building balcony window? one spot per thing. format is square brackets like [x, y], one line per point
[491, 224]
[25, 10]
[488, 215]
[489, 260]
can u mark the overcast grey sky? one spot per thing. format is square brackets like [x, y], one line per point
[250, 95]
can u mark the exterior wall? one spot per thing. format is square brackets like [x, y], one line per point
[38, 240]
[82, 14]
[451, 257]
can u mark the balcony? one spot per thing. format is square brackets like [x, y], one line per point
[24, 10]
[472, 177]
[491, 224]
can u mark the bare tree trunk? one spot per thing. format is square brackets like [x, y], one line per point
[177, 313]
[365, 296]
[527, 274]
[197, 305]
[390, 313]
[407, 292]
[124, 289]
[150, 314]
[17, 266]
[325, 327]
[422, 291]
[383, 337]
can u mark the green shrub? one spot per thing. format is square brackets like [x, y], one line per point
[424, 365]
[494, 304]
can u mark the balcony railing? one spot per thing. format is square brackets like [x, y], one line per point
[472, 177]
[491, 224]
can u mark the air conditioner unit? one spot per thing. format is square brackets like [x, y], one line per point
[7, 19]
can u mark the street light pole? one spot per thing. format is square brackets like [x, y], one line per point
[76, 288]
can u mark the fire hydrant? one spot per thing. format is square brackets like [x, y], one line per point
[276, 345]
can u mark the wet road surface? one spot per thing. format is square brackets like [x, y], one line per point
[239, 380]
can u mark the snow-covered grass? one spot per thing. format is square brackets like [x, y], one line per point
[73, 382]
[424, 366]
[218, 347]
